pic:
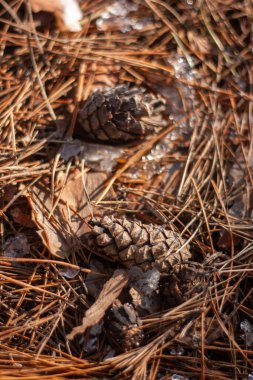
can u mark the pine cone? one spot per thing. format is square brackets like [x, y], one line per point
[134, 243]
[185, 282]
[119, 115]
[124, 327]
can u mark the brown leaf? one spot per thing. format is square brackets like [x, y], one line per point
[67, 13]
[60, 232]
[108, 295]
[9, 192]
[22, 217]
[46, 5]
[225, 241]
[53, 236]
[16, 246]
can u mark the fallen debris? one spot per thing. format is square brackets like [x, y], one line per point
[16, 246]
[123, 326]
[61, 220]
[67, 12]
[108, 295]
[140, 120]
[144, 290]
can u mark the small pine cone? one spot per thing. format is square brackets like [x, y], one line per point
[134, 243]
[124, 327]
[185, 282]
[119, 115]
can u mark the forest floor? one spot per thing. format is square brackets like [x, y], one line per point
[69, 308]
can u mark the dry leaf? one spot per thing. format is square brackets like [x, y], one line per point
[9, 192]
[69, 273]
[46, 5]
[67, 12]
[16, 246]
[22, 216]
[60, 232]
[98, 157]
[108, 295]
[56, 240]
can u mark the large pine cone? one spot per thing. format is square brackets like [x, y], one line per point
[123, 325]
[119, 115]
[134, 243]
